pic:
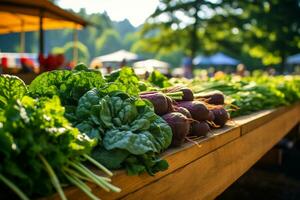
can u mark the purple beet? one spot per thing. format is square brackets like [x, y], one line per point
[211, 116]
[161, 103]
[184, 111]
[180, 126]
[198, 110]
[213, 97]
[188, 94]
[199, 128]
[221, 116]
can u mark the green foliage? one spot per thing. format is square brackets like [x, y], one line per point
[130, 134]
[158, 79]
[32, 129]
[82, 50]
[125, 80]
[255, 93]
[12, 88]
[68, 85]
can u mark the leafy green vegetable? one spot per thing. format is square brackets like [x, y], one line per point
[12, 88]
[130, 134]
[158, 79]
[68, 85]
[254, 93]
[39, 148]
[126, 80]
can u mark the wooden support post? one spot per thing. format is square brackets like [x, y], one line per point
[75, 47]
[22, 37]
[41, 35]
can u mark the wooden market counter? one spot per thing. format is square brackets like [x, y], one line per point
[205, 170]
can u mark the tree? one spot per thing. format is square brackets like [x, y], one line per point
[269, 29]
[179, 28]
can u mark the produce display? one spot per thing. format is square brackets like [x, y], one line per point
[53, 130]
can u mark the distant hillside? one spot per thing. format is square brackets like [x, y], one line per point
[124, 27]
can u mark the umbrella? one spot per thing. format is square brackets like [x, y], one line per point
[118, 56]
[150, 65]
[216, 59]
[202, 60]
[295, 59]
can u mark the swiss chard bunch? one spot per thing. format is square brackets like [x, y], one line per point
[128, 131]
[39, 149]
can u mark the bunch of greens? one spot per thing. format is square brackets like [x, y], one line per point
[127, 81]
[39, 148]
[158, 79]
[68, 85]
[12, 88]
[255, 93]
[128, 131]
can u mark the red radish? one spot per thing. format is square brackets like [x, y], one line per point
[184, 111]
[161, 103]
[198, 110]
[199, 128]
[221, 116]
[180, 126]
[213, 97]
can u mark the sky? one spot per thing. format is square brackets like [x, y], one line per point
[136, 11]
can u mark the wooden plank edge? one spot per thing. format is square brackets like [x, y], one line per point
[204, 178]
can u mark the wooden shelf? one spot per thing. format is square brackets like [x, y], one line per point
[205, 170]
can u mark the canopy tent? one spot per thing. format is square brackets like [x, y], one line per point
[149, 65]
[25, 15]
[216, 59]
[115, 57]
[39, 15]
[295, 59]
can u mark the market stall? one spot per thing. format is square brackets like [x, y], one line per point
[205, 170]
[21, 16]
[85, 135]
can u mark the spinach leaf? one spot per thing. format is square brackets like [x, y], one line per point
[129, 132]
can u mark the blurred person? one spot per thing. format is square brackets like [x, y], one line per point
[271, 71]
[4, 64]
[187, 67]
[123, 63]
[27, 65]
[241, 70]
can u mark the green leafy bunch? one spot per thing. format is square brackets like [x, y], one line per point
[128, 131]
[39, 149]
[12, 87]
[127, 81]
[68, 85]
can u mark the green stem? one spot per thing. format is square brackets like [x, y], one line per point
[13, 187]
[82, 186]
[97, 164]
[91, 176]
[100, 179]
[70, 171]
[53, 178]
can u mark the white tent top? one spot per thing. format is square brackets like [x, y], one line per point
[216, 59]
[149, 65]
[117, 56]
[295, 59]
